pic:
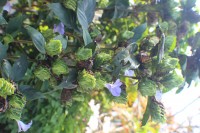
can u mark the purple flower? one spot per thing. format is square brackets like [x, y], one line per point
[7, 7]
[158, 95]
[129, 73]
[23, 127]
[59, 28]
[114, 88]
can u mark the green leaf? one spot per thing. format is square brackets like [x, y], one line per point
[67, 16]
[171, 81]
[15, 24]
[19, 68]
[37, 39]
[118, 9]
[86, 37]
[147, 113]
[138, 32]
[85, 12]
[170, 43]
[67, 83]
[190, 3]
[30, 93]
[3, 51]
[63, 41]
[3, 2]
[6, 69]
[2, 20]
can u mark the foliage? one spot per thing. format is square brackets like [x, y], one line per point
[59, 73]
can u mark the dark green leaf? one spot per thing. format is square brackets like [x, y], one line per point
[89, 6]
[30, 93]
[2, 20]
[19, 68]
[64, 15]
[190, 3]
[85, 12]
[147, 113]
[68, 82]
[37, 39]
[138, 32]
[3, 2]
[119, 9]
[86, 37]
[3, 51]
[15, 24]
[63, 41]
[6, 69]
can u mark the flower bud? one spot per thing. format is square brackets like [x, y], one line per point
[52, 82]
[100, 81]
[42, 73]
[17, 101]
[86, 81]
[70, 4]
[3, 104]
[54, 47]
[14, 113]
[102, 58]
[60, 67]
[6, 88]
[157, 111]
[84, 54]
[147, 87]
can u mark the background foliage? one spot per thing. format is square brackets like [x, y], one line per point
[59, 54]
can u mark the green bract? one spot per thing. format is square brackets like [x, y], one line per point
[100, 81]
[168, 64]
[17, 101]
[54, 47]
[60, 67]
[14, 113]
[84, 54]
[86, 81]
[6, 88]
[42, 73]
[171, 81]
[147, 87]
[102, 58]
[157, 112]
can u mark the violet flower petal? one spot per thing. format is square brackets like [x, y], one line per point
[22, 126]
[129, 73]
[114, 88]
[59, 28]
[7, 7]
[158, 96]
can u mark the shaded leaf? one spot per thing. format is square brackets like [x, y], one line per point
[6, 69]
[64, 15]
[3, 51]
[37, 39]
[3, 2]
[19, 68]
[2, 20]
[119, 9]
[86, 37]
[147, 113]
[30, 93]
[15, 24]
